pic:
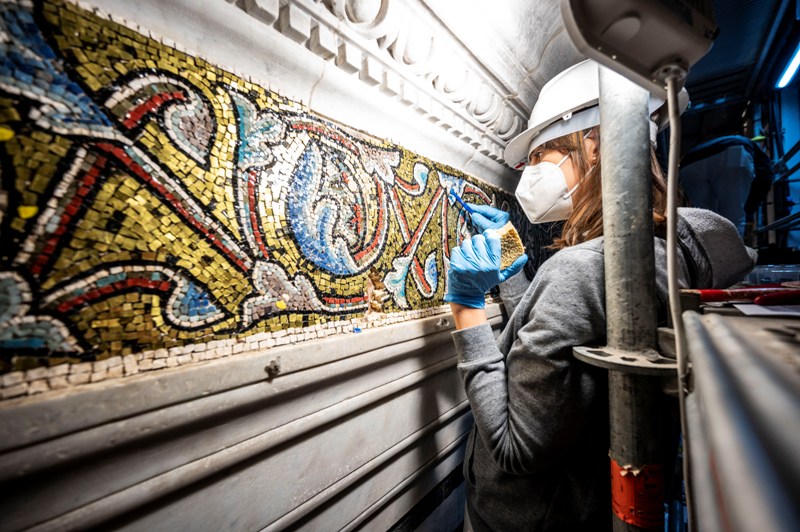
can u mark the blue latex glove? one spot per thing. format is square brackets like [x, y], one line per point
[475, 268]
[487, 217]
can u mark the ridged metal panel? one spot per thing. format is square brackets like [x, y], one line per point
[744, 419]
[349, 432]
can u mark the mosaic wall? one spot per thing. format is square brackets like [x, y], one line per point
[151, 200]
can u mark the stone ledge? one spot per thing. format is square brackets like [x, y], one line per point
[41, 380]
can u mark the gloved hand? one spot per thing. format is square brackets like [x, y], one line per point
[487, 217]
[475, 268]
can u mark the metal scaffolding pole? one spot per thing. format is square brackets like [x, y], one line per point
[630, 295]
[627, 213]
[630, 355]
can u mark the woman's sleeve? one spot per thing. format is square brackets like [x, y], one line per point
[512, 290]
[531, 404]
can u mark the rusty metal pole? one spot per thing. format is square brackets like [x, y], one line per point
[637, 482]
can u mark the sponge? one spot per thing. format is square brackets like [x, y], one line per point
[511, 247]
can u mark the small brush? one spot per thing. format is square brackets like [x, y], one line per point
[466, 208]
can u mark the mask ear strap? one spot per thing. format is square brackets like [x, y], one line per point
[569, 193]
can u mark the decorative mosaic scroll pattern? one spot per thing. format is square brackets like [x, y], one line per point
[151, 200]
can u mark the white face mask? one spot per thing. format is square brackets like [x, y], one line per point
[542, 192]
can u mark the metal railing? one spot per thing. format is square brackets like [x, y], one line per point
[744, 422]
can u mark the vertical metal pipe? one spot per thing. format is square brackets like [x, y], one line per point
[627, 213]
[630, 298]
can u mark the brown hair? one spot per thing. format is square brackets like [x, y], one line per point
[586, 220]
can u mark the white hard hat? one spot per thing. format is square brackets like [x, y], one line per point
[568, 103]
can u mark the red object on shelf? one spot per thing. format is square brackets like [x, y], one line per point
[738, 294]
[784, 297]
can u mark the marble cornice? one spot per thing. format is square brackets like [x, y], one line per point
[404, 51]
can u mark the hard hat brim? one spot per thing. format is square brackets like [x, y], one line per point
[518, 150]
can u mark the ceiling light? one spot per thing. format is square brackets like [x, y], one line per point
[791, 70]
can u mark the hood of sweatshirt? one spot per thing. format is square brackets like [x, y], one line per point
[713, 239]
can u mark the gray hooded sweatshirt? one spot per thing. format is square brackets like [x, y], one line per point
[537, 457]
